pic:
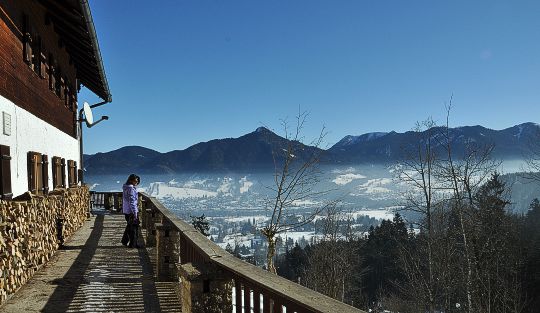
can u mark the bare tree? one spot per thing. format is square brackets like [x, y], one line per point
[417, 171]
[296, 175]
[532, 159]
[462, 178]
[331, 259]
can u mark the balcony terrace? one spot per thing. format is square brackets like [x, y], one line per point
[179, 270]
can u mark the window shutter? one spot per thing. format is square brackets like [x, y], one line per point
[70, 172]
[63, 167]
[75, 181]
[34, 173]
[73, 174]
[56, 172]
[31, 175]
[79, 175]
[5, 173]
[45, 175]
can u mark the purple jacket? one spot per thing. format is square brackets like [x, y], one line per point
[129, 200]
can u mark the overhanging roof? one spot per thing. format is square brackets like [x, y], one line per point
[73, 22]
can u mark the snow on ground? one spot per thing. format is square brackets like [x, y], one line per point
[236, 239]
[93, 186]
[297, 235]
[245, 184]
[258, 219]
[305, 203]
[194, 183]
[164, 190]
[376, 185]
[226, 187]
[344, 179]
[380, 214]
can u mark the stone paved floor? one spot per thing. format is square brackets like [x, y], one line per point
[95, 273]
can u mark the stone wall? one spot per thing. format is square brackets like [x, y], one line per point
[29, 233]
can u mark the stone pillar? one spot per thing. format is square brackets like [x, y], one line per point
[167, 242]
[204, 289]
[152, 217]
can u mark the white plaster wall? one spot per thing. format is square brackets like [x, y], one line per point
[29, 133]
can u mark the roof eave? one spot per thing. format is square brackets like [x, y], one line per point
[106, 95]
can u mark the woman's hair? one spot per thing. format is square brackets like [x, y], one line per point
[133, 178]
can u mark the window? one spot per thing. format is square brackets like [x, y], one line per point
[72, 173]
[35, 173]
[59, 172]
[5, 173]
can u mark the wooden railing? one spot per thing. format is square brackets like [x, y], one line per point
[106, 200]
[182, 250]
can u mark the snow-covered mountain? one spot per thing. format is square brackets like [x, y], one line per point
[509, 143]
[256, 151]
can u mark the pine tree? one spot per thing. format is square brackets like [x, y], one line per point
[201, 224]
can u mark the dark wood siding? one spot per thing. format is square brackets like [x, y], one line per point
[24, 43]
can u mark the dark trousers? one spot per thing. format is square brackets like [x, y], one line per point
[131, 232]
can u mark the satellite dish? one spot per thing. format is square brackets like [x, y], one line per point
[88, 114]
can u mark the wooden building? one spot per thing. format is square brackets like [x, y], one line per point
[48, 49]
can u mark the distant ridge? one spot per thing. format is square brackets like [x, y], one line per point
[253, 151]
[510, 143]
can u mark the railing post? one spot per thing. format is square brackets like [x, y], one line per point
[204, 289]
[266, 303]
[142, 211]
[118, 202]
[108, 201]
[167, 252]
[256, 301]
[152, 217]
[238, 295]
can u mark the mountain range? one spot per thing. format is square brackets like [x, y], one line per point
[258, 150]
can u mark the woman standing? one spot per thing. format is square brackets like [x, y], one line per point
[130, 209]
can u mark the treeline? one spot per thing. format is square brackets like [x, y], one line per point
[466, 252]
[389, 269]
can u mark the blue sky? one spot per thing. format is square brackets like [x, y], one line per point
[182, 72]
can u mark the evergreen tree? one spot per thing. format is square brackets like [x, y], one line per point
[201, 224]
[531, 257]
[381, 266]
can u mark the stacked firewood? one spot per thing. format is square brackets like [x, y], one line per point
[29, 233]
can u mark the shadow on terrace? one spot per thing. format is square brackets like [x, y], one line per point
[180, 270]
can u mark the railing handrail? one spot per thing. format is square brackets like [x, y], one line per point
[291, 291]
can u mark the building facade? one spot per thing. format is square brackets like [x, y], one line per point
[48, 49]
